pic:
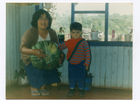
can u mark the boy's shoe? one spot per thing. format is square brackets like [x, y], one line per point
[71, 93]
[55, 84]
[81, 93]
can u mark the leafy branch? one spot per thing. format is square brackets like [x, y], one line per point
[21, 73]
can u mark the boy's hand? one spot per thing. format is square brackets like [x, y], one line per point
[86, 67]
[61, 59]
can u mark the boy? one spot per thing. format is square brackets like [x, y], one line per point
[79, 62]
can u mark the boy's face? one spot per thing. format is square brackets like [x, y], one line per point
[76, 34]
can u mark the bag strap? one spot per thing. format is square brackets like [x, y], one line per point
[75, 48]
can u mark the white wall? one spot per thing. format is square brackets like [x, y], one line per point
[111, 67]
[18, 20]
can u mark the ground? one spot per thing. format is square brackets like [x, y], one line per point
[60, 92]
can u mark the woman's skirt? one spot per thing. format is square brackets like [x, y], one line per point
[38, 77]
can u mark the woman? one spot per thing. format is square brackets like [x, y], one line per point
[40, 31]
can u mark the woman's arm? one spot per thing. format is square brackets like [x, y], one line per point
[36, 52]
[29, 38]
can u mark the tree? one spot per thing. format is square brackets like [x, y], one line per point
[116, 22]
[51, 8]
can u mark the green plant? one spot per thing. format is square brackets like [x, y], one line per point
[21, 72]
[52, 57]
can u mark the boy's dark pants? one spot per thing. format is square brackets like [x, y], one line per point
[77, 74]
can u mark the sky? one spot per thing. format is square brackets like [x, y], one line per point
[120, 8]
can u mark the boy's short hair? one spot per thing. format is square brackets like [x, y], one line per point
[76, 26]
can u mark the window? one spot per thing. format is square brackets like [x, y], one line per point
[89, 6]
[61, 14]
[93, 26]
[115, 31]
[120, 22]
[93, 23]
[103, 23]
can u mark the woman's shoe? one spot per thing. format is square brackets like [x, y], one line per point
[38, 93]
[44, 91]
[55, 84]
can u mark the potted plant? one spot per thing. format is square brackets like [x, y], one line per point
[21, 77]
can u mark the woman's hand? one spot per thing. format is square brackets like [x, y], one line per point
[38, 53]
[61, 59]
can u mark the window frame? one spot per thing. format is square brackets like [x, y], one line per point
[100, 43]
[95, 43]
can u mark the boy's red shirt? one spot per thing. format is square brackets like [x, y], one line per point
[71, 45]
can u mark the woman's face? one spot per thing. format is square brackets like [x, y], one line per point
[43, 22]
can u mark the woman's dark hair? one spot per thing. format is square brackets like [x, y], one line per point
[76, 26]
[37, 15]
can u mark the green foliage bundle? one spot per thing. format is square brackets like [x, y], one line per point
[21, 72]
